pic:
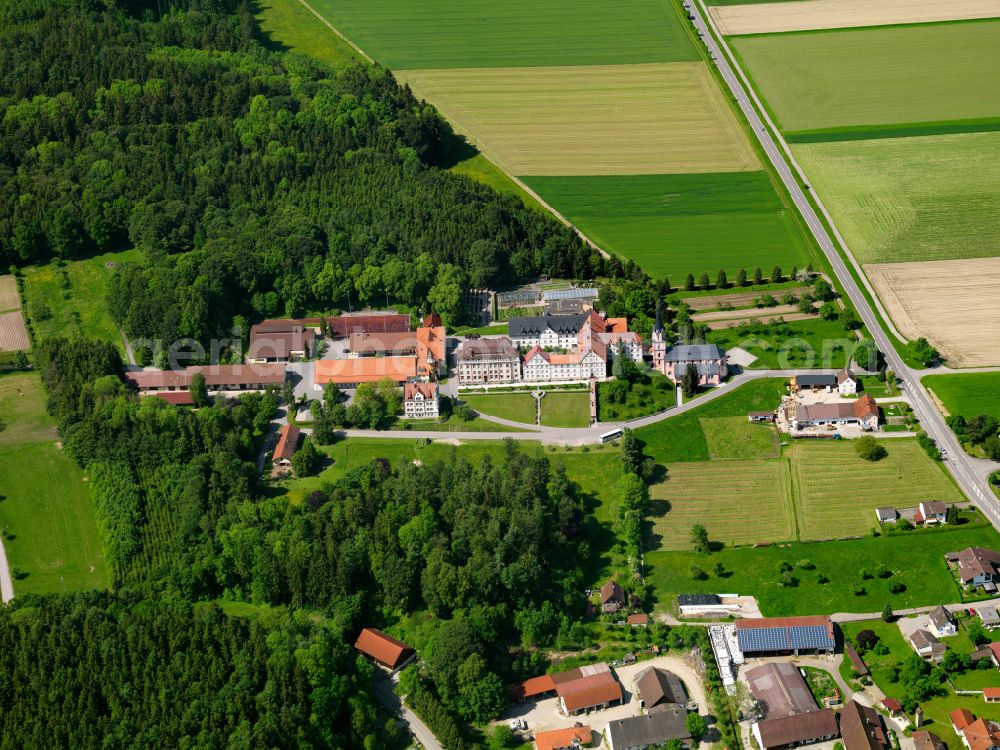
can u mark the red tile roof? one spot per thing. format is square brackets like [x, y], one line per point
[365, 370]
[584, 687]
[783, 622]
[562, 738]
[638, 619]
[961, 718]
[982, 735]
[181, 398]
[991, 692]
[533, 687]
[383, 648]
[892, 704]
[412, 388]
[215, 375]
[287, 442]
[865, 407]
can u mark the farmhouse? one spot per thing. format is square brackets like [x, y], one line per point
[886, 515]
[977, 567]
[420, 400]
[275, 343]
[288, 440]
[564, 739]
[612, 597]
[246, 377]
[927, 645]
[786, 635]
[383, 648]
[795, 730]
[924, 740]
[780, 687]
[586, 688]
[863, 412]
[942, 622]
[659, 689]
[847, 383]
[932, 513]
[862, 728]
[350, 373]
[649, 730]
[492, 361]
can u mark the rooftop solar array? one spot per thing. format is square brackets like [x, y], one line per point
[799, 637]
[581, 293]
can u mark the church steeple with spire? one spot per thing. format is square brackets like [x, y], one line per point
[658, 345]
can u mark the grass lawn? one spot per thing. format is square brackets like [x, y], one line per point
[452, 424]
[716, 495]
[566, 409]
[799, 343]
[44, 504]
[969, 394]
[917, 559]
[911, 199]
[520, 407]
[677, 224]
[76, 301]
[923, 74]
[288, 24]
[642, 399]
[402, 34]
[481, 169]
[493, 330]
[570, 119]
[937, 709]
[736, 437]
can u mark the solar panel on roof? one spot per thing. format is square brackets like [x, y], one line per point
[809, 636]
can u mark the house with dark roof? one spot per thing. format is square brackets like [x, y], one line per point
[658, 689]
[547, 331]
[860, 668]
[612, 597]
[648, 730]
[272, 342]
[927, 645]
[383, 648]
[786, 635]
[816, 381]
[586, 688]
[977, 567]
[932, 513]
[989, 616]
[709, 361]
[893, 706]
[796, 730]
[862, 728]
[942, 622]
[780, 690]
[886, 514]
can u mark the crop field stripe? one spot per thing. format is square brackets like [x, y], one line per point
[833, 135]
[877, 76]
[9, 297]
[592, 120]
[481, 33]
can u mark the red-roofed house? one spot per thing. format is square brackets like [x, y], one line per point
[533, 688]
[612, 597]
[893, 706]
[586, 688]
[288, 441]
[991, 694]
[383, 648]
[420, 400]
[981, 735]
[563, 739]
[960, 719]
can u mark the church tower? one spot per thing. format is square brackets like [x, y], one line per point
[658, 347]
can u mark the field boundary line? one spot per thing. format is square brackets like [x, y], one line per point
[6, 582]
[765, 115]
[513, 178]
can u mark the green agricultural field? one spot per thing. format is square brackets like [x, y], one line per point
[519, 407]
[716, 495]
[403, 34]
[74, 301]
[45, 511]
[968, 394]
[288, 24]
[592, 119]
[566, 409]
[799, 343]
[736, 437]
[911, 199]
[917, 560]
[673, 225]
[837, 492]
[924, 73]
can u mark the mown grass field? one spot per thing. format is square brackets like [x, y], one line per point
[888, 75]
[837, 492]
[911, 199]
[404, 34]
[968, 394]
[736, 437]
[916, 559]
[79, 308]
[45, 511]
[799, 343]
[566, 409]
[592, 119]
[738, 502]
[520, 407]
[673, 225]
[288, 24]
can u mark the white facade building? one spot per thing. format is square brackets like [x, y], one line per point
[420, 400]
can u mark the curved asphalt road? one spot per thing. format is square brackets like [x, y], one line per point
[969, 473]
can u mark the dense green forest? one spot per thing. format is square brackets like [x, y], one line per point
[100, 670]
[257, 183]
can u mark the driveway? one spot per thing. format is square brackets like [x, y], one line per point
[384, 687]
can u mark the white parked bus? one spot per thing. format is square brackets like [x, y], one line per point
[607, 437]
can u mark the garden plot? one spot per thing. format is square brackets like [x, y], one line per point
[13, 333]
[9, 298]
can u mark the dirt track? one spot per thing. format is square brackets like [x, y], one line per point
[953, 303]
[766, 18]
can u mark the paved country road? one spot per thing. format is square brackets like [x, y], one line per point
[971, 475]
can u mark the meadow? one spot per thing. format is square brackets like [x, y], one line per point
[673, 225]
[887, 75]
[592, 119]
[566, 409]
[403, 34]
[69, 300]
[737, 437]
[799, 343]
[51, 536]
[917, 561]
[968, 394]
[911, 199]
[519, 407]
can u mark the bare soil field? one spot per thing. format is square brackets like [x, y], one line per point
[9, 298]
[657, 118]
[13, 334]
[753, 312]
[763, 317]
[953, 303]
[739, 299]
[768, 18]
